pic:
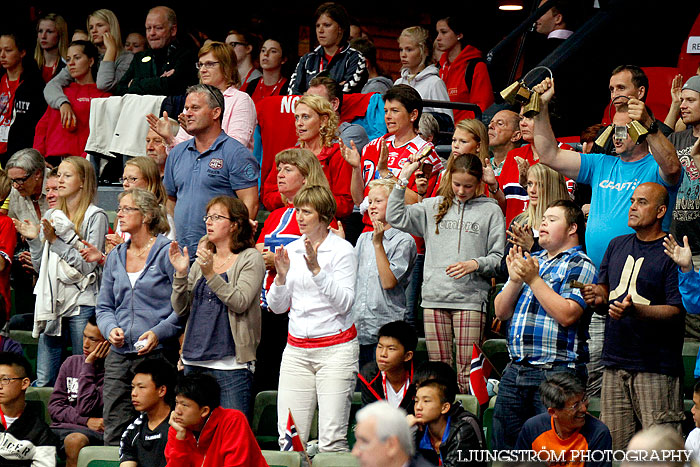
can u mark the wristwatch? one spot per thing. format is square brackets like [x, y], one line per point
[402, 183]
[493, 192]
[653, 128]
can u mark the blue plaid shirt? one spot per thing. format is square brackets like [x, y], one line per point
[534, 337]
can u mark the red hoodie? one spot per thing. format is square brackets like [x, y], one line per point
[452, 74]
[225, 441]
[51, 139]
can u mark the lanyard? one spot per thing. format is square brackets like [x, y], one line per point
[405, 386]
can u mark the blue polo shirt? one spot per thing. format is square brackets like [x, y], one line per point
[195, 178]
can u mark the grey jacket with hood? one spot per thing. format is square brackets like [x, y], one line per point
[474, 229]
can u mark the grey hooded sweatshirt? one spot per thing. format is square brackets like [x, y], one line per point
[474, 229]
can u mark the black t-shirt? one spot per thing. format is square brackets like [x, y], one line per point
[653, 346]
[144, 446]
[686, 214]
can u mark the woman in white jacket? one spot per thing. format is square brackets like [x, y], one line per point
[72, 308]
[416, 71]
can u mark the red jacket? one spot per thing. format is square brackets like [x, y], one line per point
[51, 139]
[225, 441]
[452, 74]
[338, 173]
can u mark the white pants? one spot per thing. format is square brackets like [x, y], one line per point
[326, 376]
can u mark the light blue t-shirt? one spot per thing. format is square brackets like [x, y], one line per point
[612, 183]
[195, 178]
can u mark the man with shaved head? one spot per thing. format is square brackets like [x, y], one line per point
[167, 68]
[504, 135]
[638, 290]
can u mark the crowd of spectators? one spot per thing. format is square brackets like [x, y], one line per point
[311, 270]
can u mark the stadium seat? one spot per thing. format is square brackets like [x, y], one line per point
[420, 356]
[282, 458]
[265, 420]
[356, 405]
[594, 406]
[487, 424]
[30, 345]
[491, 314]
[470, 403]
[41, 396]
[99, 456]
[335, 459]
[496, 350]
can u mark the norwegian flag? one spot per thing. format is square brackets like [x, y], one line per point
[292, 442]
[480, 371]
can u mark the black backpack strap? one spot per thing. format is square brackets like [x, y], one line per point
[469, 72]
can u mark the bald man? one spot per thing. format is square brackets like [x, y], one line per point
[638, 290]
[504, 135]
[167, 68]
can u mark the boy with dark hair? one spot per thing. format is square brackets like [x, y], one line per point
[389, 377]
[203, 434]
[567, 426]
[692, 442]
[24, 437]
[75, 405]
[143, 442]
[445, 428]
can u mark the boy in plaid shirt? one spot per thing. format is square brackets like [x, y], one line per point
[549, 319]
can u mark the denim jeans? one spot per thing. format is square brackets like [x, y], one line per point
[236, 387]
[519, 399]
[414, 284]
[50, 350]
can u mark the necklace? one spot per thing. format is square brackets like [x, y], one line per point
[225, 261]
[148, 245]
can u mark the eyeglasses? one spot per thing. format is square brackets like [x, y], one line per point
[128, 179]
[5, 380]
[20, 181]
[207, 65]
[574, 408]
[218, 97]
[215, 218]
[234, 44]
[126, 209]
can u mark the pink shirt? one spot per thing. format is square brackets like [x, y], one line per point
[239, 118]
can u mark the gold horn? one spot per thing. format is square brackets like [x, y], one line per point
[602, 140]
[533, 106]
[636, 130]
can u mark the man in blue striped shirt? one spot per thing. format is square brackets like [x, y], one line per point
[549, 318]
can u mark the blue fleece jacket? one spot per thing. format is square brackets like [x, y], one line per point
[146, 306]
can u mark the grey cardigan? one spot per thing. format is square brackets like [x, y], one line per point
[241, 294]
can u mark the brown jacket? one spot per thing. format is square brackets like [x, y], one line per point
[241, 294]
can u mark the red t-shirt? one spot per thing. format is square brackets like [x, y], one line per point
[7, 99]
[262, 90]
[8, 241]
